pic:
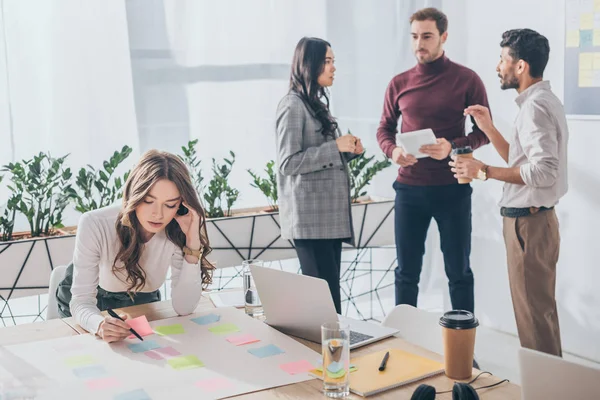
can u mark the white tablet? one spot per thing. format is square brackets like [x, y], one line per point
[411, 142]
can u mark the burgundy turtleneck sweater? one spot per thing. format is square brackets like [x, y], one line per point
[432, 96]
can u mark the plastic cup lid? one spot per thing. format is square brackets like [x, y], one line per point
[459, 319]
[463, 150]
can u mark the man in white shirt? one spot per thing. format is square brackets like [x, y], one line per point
[536, 178]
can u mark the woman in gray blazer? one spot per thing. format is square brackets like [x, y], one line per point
[313, 179]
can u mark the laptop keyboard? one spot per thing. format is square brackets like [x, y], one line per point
[356, 337]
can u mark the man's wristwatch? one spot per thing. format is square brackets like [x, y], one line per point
[194, 253]
[482, 173]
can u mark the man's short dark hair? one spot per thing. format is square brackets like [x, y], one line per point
[529, 46]
[432, 14]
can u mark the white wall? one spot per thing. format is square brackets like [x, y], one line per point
[578, 274]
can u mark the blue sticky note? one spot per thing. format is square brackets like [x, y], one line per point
[586, 38]
[91, 371]
[335, 366]
[139, 394]
[206, 319]
[143, 346]
[266, 351]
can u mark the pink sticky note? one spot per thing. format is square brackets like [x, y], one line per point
[211, 385]
[168, 351]
[239, 340]
[153, 354]
[140, 325]
[296, 367]
[104, 383]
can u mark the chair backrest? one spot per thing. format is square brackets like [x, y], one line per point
[57, 275]
[544, 376]
[416, 326]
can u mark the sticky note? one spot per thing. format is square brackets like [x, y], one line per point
[140, 325]
[139, 394]
[297, 367]
[104, 383]
[168, 351]
[224, 329]
[176, 329]
[141, 347]
[185, 362]
[79, 361]
[573, 38]
[266, 351]
[596, 61]
[335, 366]
[586, 61]
[586, 78]
[319, 369]
[153, 355]
[211, 385]
[586, 21]
[91, 371]
[206, 319]
[586, 38]
[596, 5]
[242, 339]
[596, 40]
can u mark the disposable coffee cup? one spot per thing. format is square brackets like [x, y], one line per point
[464, 152]
[458, 333]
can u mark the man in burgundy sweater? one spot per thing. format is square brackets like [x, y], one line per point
[433, 94]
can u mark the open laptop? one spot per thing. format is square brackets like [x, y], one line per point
[298, 305]
[549, 377]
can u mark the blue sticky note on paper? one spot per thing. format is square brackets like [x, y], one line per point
[266, 351]
[139, 394]
[206, 319]
[91, 371]
[143, 346]
[586, 38]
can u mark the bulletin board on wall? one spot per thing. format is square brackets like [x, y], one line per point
[582, 59]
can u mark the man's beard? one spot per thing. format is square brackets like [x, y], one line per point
[430, 56]
[509, 82]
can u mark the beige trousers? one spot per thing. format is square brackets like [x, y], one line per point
[532, 247]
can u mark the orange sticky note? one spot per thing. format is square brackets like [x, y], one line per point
[140, 325]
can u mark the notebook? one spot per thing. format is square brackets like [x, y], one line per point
[402, 368]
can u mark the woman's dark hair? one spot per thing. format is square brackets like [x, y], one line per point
[308, 64]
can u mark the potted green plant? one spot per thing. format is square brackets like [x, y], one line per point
[268, 186]
[219, 196]
[97, 188]
[361, 174]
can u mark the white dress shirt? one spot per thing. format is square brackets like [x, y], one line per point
[538, 145]
[96, 247]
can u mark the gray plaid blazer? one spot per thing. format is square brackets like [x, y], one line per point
[312, 177]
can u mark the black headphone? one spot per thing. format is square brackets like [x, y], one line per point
[460, 391]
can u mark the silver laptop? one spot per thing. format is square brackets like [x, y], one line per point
[298, 305]
[548, 377]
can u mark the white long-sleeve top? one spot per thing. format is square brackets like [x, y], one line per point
[97, 245]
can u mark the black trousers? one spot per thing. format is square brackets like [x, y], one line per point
[450, 205]
[321, 258]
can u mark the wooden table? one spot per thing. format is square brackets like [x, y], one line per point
[303, 390]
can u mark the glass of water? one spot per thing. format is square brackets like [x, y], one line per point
[335, 339]
[253, 306]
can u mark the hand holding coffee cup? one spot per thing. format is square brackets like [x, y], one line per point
[462, 152]
[458, 332]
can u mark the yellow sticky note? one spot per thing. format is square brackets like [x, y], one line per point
[586, 61]
[596, 61]
[586, 78]
[596, 39]
[596, 5]
[185, 362]
[586, 21]
[573, 38]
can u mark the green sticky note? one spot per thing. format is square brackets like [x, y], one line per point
[79, 361]
[185, 362]
[166, 330]
[224, 329]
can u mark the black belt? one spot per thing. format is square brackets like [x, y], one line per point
[513, 212]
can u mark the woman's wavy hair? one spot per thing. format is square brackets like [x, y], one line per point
[307, 65]
[152, 167]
